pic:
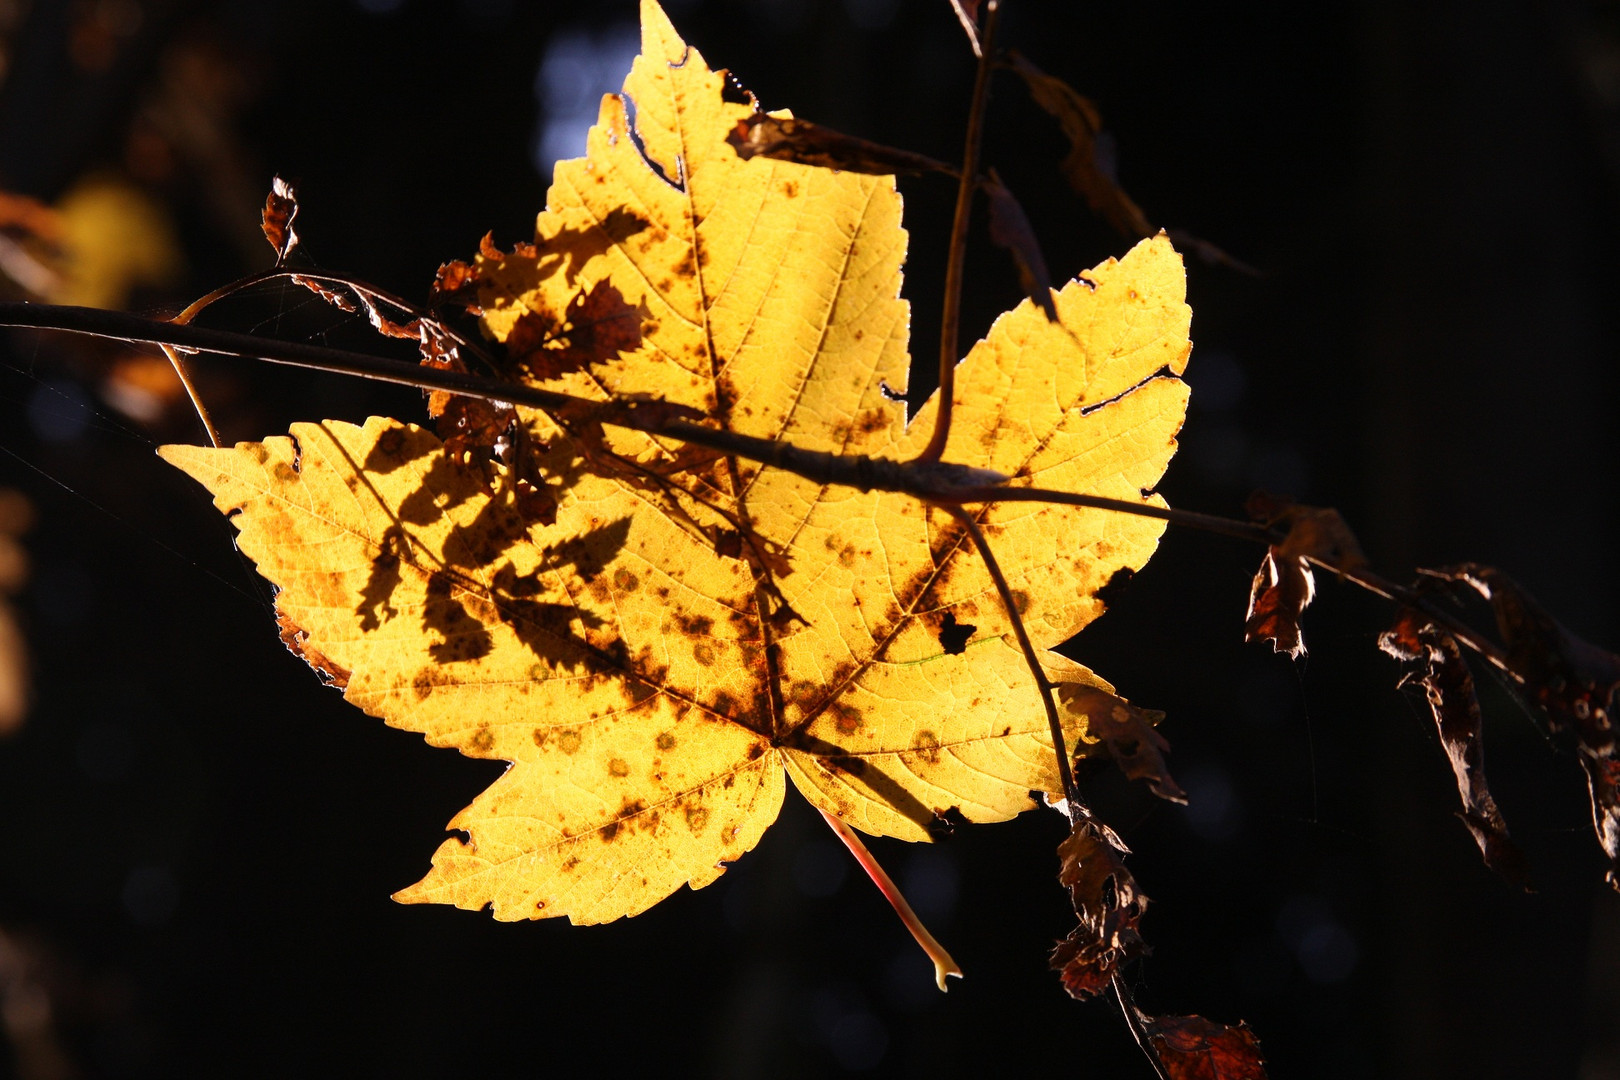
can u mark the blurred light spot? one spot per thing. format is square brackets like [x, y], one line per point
[1268, 696]
[819, 868]
[931, 882]
[1218, 380]
[1325, 950]
[1262, 968]
[59, 412]
[871, 14]
[62, 593]
[908, 982]
[578, 67]
[151, 895]
[856, 1038]
[1212, 809]
[859, 1041]
[1279, 470]
[782, 16]
[1218, 449]
[104, 751]
[488, 10]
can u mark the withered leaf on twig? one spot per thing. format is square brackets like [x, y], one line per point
[1449, 686]
[1010, 228]
[1284, 586]
[1106, 899]
[1126, 732]
[1576, 683]
[786, 138]
[1193, 1048]
[280, 208]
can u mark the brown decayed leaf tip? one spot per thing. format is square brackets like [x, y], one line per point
[1010, 228]
[280, 209]
[787, 138]
[1449, 687]
[1284, 585]
[1576, 683]
[1109, 906]
[1193, 1048]
[1126, 733]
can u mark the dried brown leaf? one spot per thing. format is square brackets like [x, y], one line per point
[1193, 1048]
[1106, 899]
[1576, 683]
[1010, 228]
[1284, 586]
[1082, 124]
[786, 138]
[1449, 686]
[280, 209]
[1127, 734]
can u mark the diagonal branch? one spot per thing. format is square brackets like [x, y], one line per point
[950, 320]
[1071, 793]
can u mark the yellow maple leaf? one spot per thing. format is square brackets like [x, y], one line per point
[651, 686]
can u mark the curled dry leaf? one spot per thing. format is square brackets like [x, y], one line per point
[787, 138]
[280, 209]
[1449, 686]
[1108, 903]
[1010, 228]
[656, 659]
[1284, 585]
[1193, 1048]
[1123, 731]
[1576, 683]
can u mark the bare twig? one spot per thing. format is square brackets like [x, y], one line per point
[950, 320]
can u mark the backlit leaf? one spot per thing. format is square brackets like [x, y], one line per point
[678, 633]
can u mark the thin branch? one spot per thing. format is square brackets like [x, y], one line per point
[1071, 792]
[950, 320]
[943, 483]
[943, 963]
[1133, 1020]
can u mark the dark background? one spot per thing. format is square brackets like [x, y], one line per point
[199, 841]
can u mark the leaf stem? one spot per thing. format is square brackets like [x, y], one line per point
[1133, 1020]
[943, 964]
[951, 317]
[1071, 791]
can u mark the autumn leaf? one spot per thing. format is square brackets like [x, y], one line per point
[1106, 901]
[1284, 585]
[1193, 1048]
[1449, 687]
[681, 634]
[1574, 682]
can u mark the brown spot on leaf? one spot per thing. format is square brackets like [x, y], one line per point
[568, 741]
[665, 741]
[617, 767]
[703, 652]
[696, 819]
[625, 581]
[927, 746]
